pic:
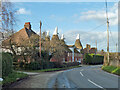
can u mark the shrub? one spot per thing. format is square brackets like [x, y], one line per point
[6, 64]
[32, 66]
[21, 64]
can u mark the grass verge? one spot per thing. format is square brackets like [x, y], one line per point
[51, 69]
[112, 69]
[14, 76]
[0, 83]
[58, 69]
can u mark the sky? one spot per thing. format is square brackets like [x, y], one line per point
[85, 18]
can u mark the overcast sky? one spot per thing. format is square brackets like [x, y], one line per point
[85, 18]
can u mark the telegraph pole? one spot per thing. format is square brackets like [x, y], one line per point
[96, 43]
[108, 39]
[40, 41]
[96, 47]
[107, 34]
[116, 50]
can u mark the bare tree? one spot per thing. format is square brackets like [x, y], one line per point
[58, 49]
[8, 18]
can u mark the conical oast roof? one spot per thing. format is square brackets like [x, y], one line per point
[55, 37]
[78, 44]
[55, 34]
[47, 38]
[62, 38]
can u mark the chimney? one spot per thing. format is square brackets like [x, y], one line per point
[27, 25]
[88, 46]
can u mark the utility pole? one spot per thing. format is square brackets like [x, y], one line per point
[107, 34]
[40, 41]
[116, 50]
[108, 39]
[96, 47]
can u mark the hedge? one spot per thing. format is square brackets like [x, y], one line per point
[93, 59]
[32, 66]
[6, 64]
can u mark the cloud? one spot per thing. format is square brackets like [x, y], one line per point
[91, 37]
[23, 11]
[100, 16]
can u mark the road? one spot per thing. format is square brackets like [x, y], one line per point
[85, 77]
[82, 77]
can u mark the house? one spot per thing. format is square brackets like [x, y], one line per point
[26, 35]
[18, 39]
[73, 52]
[90, 50]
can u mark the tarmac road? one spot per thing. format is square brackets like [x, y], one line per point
[85, 77]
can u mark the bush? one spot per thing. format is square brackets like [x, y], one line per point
[6, 64]
[87, 59]
[21, 65]
[93, 59]
[32, 66]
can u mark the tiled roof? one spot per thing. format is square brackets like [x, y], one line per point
[18, 37]
[78, 44]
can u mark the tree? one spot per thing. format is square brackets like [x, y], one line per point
[8, 18]
[58, 49]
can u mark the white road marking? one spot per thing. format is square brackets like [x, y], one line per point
[81, 74]
[94, 83]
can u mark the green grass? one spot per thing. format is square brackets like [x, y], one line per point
[52, 69]
[116, 71]
[13, 77]
[112, 69]
[0, 83]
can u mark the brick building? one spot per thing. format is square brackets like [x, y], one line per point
[90, 50]
[73, 52]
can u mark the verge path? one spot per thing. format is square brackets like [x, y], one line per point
[35, 80]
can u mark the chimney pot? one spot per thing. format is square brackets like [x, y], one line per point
[27, 25]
